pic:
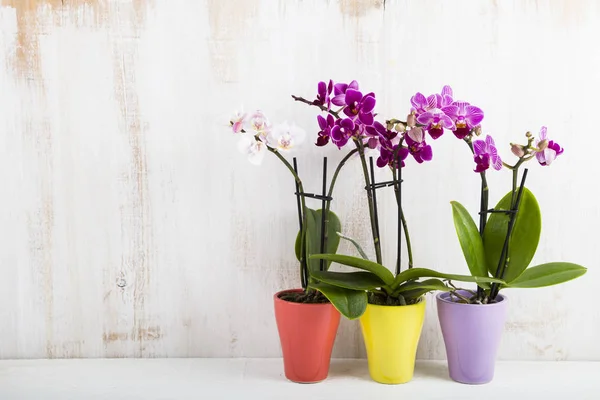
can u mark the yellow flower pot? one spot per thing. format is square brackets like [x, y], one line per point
[391, 335]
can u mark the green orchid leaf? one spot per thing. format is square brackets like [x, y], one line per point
[524, 239]
[382, 272]
[356, 245]
[427, 285]
[415, 273]
[547, 275]
[470, 240]
[313, 237]
[349, 280]
[350, 303]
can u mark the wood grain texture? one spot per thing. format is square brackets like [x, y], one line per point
[131, 227]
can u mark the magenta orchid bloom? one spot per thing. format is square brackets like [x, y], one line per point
[421, 104]
[415, 140]
[435, 121]
[324, 94]
[342, 131]
[464, 116]
[387, 151]
[379, 133]
[359, 106]
[486, 154]
[549, 149]
[325, 133]
[339, 91]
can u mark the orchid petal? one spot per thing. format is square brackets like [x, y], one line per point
[426, 153]
[549, 155]
[381, 162]
[353, 96]
[367, 104]
[490, 142]
[403, 152]
[447, 91]
[474, 115]
[418, 101]
[431, 101]
[462, 106]
[322, 122]
[451, 111]
[353, 85]
[339, 100]
[426, 118]
[339, 89]
[366, 118]
[416, 134]
[480, 147]
[347, 123]
[446, 121]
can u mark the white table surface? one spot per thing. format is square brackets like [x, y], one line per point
[263, 379]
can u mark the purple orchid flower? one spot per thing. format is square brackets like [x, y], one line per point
[339, 92]
[421, 151]
[387, 151]
[421, 104]
[324, 94]
[360, 106]
[326, 125]
[435, 121]
[464, 116]
[342, 131]
[486, 154]
[377, 133]
[549, 149]
[445, 98]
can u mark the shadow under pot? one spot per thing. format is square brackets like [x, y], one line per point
[472, 335]
[306, 332]
[391, 335]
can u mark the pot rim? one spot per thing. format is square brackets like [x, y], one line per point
[423, 301]
[502, 301]
[293, 304]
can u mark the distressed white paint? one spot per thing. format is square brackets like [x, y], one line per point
[263, 378]
[130, 226]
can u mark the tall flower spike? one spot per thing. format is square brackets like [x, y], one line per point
[549, 149]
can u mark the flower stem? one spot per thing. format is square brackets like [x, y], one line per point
[483, 207]
[363, 161]
[310, 103]
[303, 263]
[404, 225]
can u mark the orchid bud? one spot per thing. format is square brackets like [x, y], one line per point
[542, 145]
[400, 127]
[411, 120]
[528, 134]
[517, 150]
[477, 130]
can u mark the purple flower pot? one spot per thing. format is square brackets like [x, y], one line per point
[472, 334]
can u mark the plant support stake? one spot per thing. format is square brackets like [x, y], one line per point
[323, 212]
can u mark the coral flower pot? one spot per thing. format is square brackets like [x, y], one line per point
[391, 335]
[307, 333]
[472, 334]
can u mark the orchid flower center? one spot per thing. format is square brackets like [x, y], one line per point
[285, 141]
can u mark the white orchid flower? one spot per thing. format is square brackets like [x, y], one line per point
[285, 137]
[237, 121]
[254, 149]
[258, 124]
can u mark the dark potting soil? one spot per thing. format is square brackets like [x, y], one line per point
[312, 297]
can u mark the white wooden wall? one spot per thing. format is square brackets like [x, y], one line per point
[131, 227]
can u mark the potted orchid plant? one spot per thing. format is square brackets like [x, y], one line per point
[391, 307]
[501, 247]
[307, 322]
